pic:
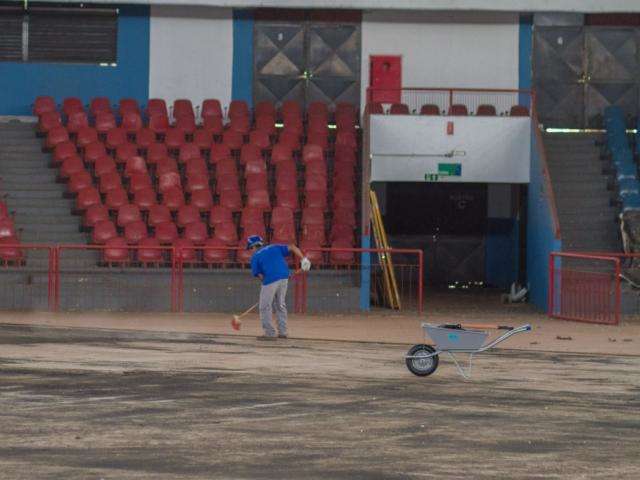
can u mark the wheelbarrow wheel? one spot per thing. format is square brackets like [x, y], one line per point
[423, 362]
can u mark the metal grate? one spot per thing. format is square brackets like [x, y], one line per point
[11, 35]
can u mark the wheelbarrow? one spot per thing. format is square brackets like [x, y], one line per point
[422, 360]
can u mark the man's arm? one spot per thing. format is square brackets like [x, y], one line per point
[296, 251]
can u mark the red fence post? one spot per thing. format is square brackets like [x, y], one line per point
[420, 280]
[552, 277]
[618, 304]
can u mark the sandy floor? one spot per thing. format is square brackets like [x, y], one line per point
[379, 326]
[86, 403]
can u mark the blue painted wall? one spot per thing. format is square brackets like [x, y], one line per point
[22, 82]
[525, 51]
[242, 76]
[541, 240]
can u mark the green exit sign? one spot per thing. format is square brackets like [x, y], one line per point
[431, 177]
[450, 169]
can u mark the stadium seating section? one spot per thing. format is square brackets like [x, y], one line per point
[201, 177]
[10, 254]
[454, 110]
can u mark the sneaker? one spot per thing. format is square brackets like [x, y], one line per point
[266, 337]
[280, 335]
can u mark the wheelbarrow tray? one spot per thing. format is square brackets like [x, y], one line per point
[455, 339]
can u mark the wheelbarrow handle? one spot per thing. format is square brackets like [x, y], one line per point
[485, 326]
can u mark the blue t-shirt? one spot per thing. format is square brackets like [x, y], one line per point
[269, 261]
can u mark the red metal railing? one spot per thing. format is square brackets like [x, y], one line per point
[82, 277]
[416, 97]
[585, 287]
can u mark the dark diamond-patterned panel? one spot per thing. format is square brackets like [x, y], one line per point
[334, 50]
[279, 50]
[561, 105]
[559, 54]
[601, 95]
[613, 53]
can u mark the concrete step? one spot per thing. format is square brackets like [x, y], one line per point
[38, 218]
[22, 194]
[44, 229]
[43, 206]
[54, 237]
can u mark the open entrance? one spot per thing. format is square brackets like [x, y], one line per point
[472, 234]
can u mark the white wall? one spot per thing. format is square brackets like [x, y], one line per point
[191, 53]
[445, 49]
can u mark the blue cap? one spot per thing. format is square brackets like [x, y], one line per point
[254, 241]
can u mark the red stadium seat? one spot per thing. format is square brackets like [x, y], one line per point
[7, 228]
[99, 105]
[159, 124]
[312, 153]
[86, 136]
[314, 234]
[173, 198]
[519, 111]
[291, 107]
[87, 197]
[219, 152]
[293, 125]
[319, 139]
[158, 214]
[374, 108]
[131, 122]
[265, 107]
[63, 151]
[344, 215]
[56, 136]
[155, 152]
[94, 214]
[240, 125]
[259, 199]
[315, 199]
[187, 214]
[345, 155]
[168, 180]
[430, 109]
[166, 233]
[290, 139]
[103, 231]
[250, 152]
[256, 228]
[76, 121]
[115, 138]
[312, 216]
[104, 165]
[116, 251]
[227, 167]
[486, 111]
[238, 108]
[227, 182]
[202, 200]
[341, 257]
[145, 198]
[220, 215]
[214, 252]
[135, 165]
[71, 105]
[139, 181]
[318, 109]
[116, 198]
[213, 125]
[318, 124]
[288, 199]
[458, 109]
[344, 199]
[93, 151]
[166, 165]
[148, 251]
[251, 215]
[231, 199]
[183, 108]
[281, 153]
[125, 152]
[145, 138]
[226, 233]
[128, 105]
[281, 215]
[284, 233]
[341, 231]
[48, 121]
[174, 139]
[260, 139]
[203, 139]
[186, 124]
[110, 181]
[256, 181]
[399, 109]
[196, 232]
[71, 165]
[196, 166]
[233, 139]
[315, 183]
[135, 232]
[79, 181]
[211, 108]
[157, 106]
[347, 139]
[188, 151]
[255, 166]
[184, 249]
[266, 124]
[316, 169]
[104, 122]
[44, 104]
[197, 182]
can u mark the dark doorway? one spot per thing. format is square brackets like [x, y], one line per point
[307, 56]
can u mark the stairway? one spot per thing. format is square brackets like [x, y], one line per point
[41, 213]
[587, 220]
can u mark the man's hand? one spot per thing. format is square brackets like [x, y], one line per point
[305, 264]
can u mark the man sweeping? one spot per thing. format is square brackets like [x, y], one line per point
[268, 263]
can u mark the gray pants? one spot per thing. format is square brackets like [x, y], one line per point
[273, 296]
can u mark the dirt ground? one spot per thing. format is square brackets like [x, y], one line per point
[85, 403]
